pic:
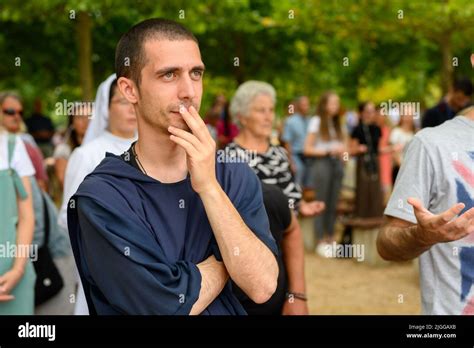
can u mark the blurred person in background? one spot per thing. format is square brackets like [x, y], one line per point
[44, 209]
[226, 129]
[13, 123]
[294, 135]
[326, 144]
[364, 144]
[17, 275]
[400, 136]
[253, 105]
[41, 128]
[215, 114]
[385, 151]
[352, 120]
[271, 164]
[458, 97]
[211, 119]
[77, 126]
[280, 123]
[290, 295]
[218, 105]
[48, 234]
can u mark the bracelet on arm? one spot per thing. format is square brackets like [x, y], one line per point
[298, 295]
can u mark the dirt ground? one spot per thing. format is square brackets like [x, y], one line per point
[345, 286]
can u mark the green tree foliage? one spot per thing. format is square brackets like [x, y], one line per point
[407, 50]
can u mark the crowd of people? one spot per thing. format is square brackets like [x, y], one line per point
[62, 193]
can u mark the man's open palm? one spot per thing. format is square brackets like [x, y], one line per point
[444, 227]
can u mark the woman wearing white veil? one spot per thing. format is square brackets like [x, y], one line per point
[112, 129]
[100, 111]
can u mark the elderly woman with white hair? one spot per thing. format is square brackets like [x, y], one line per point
[253, 107]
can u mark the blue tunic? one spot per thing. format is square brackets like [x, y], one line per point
[137, 241]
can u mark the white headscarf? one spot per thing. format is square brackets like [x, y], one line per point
[100, 111]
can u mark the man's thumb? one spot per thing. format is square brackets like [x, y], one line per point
[417, 205]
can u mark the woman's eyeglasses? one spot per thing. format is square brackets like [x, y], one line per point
[12, 112]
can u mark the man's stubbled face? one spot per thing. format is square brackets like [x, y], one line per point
[172, 76]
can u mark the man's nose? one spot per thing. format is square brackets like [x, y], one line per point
[186, 88]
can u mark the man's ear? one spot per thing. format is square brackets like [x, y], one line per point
[128, 89]
[472, 60]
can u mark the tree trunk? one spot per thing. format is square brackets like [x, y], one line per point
[239, 72]
[447, 62]
[84, 39]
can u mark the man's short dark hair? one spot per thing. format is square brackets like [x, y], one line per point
[463, 85]
[130, 57]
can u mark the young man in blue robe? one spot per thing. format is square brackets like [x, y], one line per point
[162, 228]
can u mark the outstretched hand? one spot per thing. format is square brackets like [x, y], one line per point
[444, 227]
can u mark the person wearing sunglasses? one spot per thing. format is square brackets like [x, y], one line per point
[11, 107]
[12, 111]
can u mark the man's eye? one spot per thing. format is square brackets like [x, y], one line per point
[197, 74]
[168, 75]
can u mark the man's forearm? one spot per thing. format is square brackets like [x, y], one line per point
[214, 276]
[400, 243]
[250, 263]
